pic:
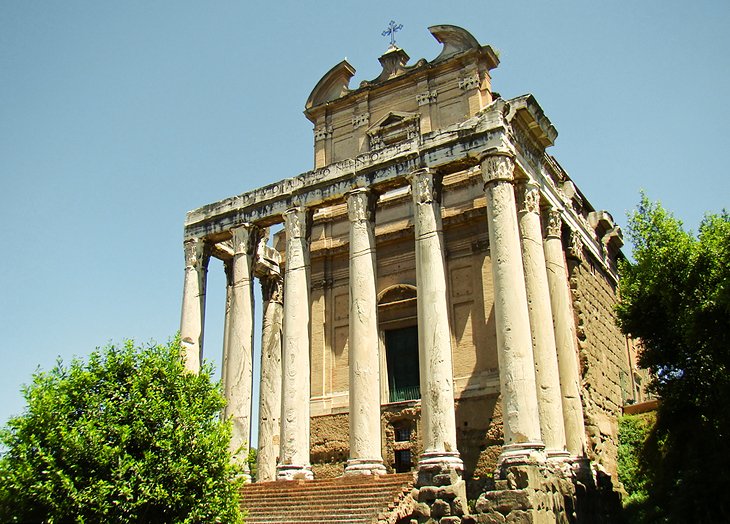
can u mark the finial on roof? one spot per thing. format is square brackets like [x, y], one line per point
[390, 31]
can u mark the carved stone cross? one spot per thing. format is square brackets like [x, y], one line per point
[391, 30]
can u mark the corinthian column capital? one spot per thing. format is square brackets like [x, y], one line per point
[272, 288]
[528, 198]
[244, 238]
[554, 225]
[425, 186]
[361, 204]
[195, 254]
[497, 167]
[296, 224]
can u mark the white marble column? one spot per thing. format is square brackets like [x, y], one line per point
[192, 318]
[294, 461]
[565, 341]
[365, 440]
[547, 378]
[270, 389]
[238, 367]
[434, 332]
[514, 344]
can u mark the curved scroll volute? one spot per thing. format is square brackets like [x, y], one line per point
[454, 39]
[334, 84]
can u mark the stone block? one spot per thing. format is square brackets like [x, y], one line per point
[484, 504]
[450, 520]
[457, 506]
[422, 510]
[490, 518]
[519, 517]
[427, 494]
[526, 477]
[440, 508]
[510, 500]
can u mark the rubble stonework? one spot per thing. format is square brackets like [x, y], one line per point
[443, 300]
[604, 361]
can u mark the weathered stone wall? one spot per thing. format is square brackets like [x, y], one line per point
[329, 445]
[479, 437]
[603, 358]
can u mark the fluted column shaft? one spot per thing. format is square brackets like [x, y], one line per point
[238, 365]
[192, 318]
[514, 344]
[547, 378]
[434, 333]
[565, 341]
[294, 462]
[270, 388]
[365, 441]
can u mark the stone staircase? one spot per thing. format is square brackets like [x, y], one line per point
[352, 500]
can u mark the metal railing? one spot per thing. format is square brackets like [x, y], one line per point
[400, 394]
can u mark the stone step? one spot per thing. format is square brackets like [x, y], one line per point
[353, 500]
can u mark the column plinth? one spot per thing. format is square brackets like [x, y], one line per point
[365, 440]
[192, 318]
[565, 341]
[434, 333]
[270, 389]
[238, 365]
[547, 378]
[294, 461]
[522, 440]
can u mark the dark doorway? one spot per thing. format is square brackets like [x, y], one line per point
[401, 351]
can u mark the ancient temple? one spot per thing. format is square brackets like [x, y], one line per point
[439, 301]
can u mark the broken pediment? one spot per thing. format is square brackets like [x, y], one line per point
[396, 126]
[333, 85]
[454, 39]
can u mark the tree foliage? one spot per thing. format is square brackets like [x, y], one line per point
[127, 436]
[675, 298]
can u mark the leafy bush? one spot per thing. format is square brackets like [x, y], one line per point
[632, 434]
[128, 437]
[676, 299]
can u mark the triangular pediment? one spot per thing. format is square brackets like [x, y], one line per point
[392, 119]
[394, 127]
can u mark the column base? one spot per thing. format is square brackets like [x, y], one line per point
[365, 467]
[521, 454]
[294, 472]
[558, 455]
[437, 468]
[447, 460]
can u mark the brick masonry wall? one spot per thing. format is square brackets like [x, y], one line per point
[479, 437]
[603, 359]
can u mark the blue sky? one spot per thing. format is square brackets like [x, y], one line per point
[118, 117]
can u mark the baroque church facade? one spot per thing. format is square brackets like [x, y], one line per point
[439, 300]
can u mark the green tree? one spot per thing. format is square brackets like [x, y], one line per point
[675, 298]
[128, 436]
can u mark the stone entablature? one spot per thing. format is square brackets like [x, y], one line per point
[451, 150]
